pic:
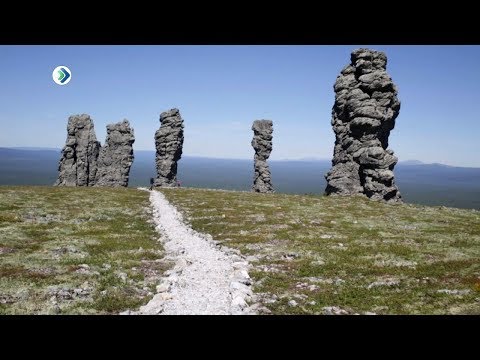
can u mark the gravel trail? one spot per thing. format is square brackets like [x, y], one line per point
[206, 279]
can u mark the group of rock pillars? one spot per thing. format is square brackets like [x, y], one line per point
[364, 113]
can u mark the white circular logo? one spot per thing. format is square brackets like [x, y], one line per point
[62, 75]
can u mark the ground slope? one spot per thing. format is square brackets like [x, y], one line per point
[321, 255]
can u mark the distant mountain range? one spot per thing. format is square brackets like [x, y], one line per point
[411, 162]
[429, 184]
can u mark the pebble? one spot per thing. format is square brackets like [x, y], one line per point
[239, 301]
[388, 283]
[453, 292]
[334, 310]
[292, 303]
[163, 287]
[165, 296]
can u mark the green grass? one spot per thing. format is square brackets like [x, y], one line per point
[97, 244]
[345, 251]
[94, 250]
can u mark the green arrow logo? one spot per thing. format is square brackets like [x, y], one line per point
[61, 75]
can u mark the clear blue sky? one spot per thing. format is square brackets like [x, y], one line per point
[220, 90]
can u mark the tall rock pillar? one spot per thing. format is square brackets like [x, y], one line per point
[364, 113]
[262, 144]
[78, 162]
[169, 144]
[116, 156]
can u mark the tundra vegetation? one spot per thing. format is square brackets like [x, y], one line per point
[67, 250]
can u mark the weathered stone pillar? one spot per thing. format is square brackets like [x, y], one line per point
[116, 156]
[78, 162]
[364, 113]
[262, 144]
[169, 144]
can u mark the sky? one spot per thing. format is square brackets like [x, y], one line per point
[221, 90]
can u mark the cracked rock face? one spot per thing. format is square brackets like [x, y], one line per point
[364, 113]
[169, 144]
[78, 162]
[262, 144]
[116, 156]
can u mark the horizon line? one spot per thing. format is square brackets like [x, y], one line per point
[421, 162]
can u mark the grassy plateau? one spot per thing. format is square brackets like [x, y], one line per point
[345, 255]
[95, 251]
[76, 250]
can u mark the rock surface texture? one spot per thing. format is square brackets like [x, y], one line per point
[364, 113]
[78, 162]
[116, 156]
[169, 144]
[262, 144]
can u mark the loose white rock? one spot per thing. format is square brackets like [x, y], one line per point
[163, 287]
[206, 278]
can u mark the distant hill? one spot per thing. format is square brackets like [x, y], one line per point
[410, 162]
[33, 148]
[428, 184]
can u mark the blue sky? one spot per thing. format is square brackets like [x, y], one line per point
[220, 90]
